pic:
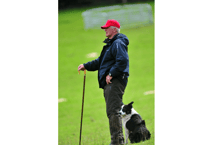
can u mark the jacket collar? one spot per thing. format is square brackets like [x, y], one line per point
[110, 41]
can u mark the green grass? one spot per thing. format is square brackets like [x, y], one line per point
[74, 44]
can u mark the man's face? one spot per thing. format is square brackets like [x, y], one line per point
[109, 32]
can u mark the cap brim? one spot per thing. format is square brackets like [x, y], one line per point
[104, 27]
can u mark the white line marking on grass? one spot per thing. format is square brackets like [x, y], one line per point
[93, 54]
[149, 92]
[62, 100]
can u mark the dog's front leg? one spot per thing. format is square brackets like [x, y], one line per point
[126, 134]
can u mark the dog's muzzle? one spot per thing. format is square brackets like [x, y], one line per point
[122, 113]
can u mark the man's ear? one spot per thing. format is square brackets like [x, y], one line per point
[115, 29]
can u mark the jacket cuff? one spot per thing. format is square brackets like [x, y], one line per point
[84, 65]
[112, 74]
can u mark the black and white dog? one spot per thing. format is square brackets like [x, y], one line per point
[133, 124]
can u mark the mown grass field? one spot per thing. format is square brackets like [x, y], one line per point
[74, 45]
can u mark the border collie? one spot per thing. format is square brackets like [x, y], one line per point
[133, 124]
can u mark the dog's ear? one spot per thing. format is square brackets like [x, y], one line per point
[130, 104]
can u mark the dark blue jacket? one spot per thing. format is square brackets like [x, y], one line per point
[113, 59]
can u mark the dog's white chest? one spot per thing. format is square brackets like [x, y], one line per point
[126, 118]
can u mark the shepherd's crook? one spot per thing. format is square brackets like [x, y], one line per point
[82, 105]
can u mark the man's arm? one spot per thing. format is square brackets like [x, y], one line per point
[90, 66]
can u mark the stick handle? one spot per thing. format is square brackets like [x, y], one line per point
[84, 72]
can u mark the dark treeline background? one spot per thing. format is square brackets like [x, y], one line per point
[67, 4]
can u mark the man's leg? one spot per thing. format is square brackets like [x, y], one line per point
[113, 96]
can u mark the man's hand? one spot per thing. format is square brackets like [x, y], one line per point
[108, 78]
[81, 67]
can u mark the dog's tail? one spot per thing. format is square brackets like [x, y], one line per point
[141, 133]
[145, 132]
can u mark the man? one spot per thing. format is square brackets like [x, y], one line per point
[113, 72]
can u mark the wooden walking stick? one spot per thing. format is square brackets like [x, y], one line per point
[82, 105]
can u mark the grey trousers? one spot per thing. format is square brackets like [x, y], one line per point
[113, 94]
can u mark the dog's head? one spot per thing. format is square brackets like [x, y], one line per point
[126, 109]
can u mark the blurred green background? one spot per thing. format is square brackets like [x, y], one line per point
[75, 44]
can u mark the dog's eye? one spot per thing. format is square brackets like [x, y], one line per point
[128, 111]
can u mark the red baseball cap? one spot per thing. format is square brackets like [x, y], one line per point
[111, 23]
